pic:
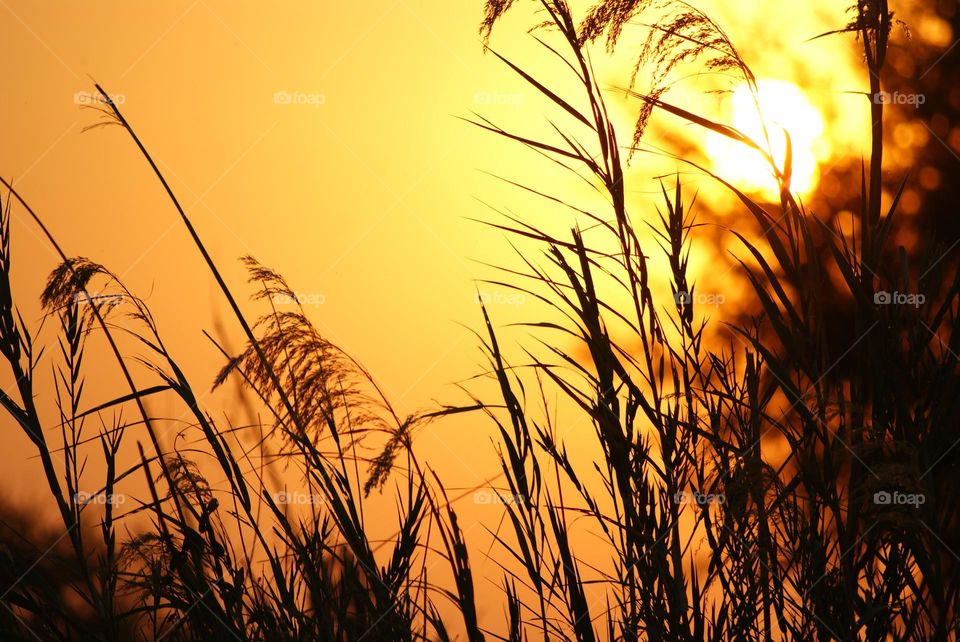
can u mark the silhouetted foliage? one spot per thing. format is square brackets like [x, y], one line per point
[688, 524]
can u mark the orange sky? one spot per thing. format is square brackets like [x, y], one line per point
[361, 195]
[360, 200]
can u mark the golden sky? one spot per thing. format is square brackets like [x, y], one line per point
[359, 199]
[323, 138]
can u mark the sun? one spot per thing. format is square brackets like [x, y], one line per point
[784, 107]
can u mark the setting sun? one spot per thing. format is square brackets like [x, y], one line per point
[408, 321]
[783, 107]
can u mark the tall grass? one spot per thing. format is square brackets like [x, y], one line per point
[221, 563]
[801, 546]
[688, 526]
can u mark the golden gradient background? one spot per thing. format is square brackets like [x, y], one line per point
[364, 201]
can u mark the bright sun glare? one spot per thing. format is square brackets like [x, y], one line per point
[784, 107]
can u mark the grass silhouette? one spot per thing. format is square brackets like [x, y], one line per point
[686, 527]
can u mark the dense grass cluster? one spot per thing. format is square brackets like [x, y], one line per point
[805, 542]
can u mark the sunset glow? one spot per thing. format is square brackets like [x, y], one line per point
[595, 320]
[786, 111]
